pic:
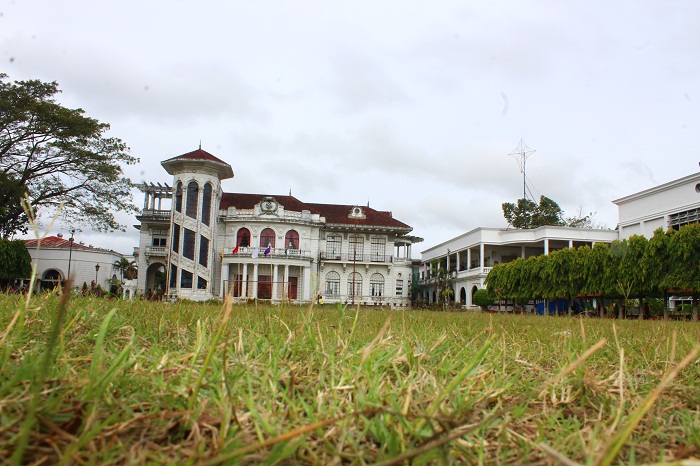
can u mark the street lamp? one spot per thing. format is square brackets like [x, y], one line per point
[70, 249]
[97, 269]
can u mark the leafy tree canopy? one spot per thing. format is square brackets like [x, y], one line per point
[526, 214]
[15, 261]
[57, 155]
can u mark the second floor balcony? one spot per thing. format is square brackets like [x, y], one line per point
[358, 258]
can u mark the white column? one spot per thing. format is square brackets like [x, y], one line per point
[307, 283]
[224, 278]
[244, 282]
[481, 255]
[274, 281]
[285, 292]
[571, 244]
[457, 265]
[255, 280]
[469, 258]
[546, 246]
[522, 252]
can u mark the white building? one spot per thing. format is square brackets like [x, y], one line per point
[468, 258]
[258, 246]
[87, 264]
[669, 205]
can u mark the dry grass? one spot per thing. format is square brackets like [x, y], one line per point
[139, 382]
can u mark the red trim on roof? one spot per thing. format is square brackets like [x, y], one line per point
[56, 243]
[198, 154]
[335, 214]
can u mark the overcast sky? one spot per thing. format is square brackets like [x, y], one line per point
[413, 107]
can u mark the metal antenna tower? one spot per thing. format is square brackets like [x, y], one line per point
[521, 153]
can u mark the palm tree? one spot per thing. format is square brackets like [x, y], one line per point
[126, 267]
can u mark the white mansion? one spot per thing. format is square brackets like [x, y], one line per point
[257, 246]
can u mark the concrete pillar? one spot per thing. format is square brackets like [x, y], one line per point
[285, 292]
[224, 278]
[469, 258]
[546, 246]
[481, 255]
[274, 281]
[307, 283]
[255, 280]
[244, 282]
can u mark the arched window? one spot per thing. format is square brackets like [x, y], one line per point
[206, 204]
[332, 284]
[178, 197]
[291, 240]
[267, 238]
[243, 238]
[192, 199]
[376, 284]
[355, 286]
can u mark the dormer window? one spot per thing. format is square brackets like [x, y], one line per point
[356, 212]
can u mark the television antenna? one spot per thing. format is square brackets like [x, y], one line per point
[521, 154]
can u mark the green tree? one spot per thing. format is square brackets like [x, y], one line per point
[684, 257]
[483, 298]
[657, 263]
[126, 268]
[15, 261]
[526, 214]
[58, 156]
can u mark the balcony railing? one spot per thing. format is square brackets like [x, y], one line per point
[274, 253]
[345, 257]
[156, 251]
[158, 214]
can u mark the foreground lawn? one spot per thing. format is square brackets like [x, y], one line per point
[96, 381]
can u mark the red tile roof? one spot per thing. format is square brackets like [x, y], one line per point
[334, 214]
[56, 243]
[198, 154]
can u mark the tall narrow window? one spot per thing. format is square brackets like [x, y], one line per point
[378, 249]
[192, 199]
[355, 286]
[332, 284]
[204, 251]
[188, 244]
[243, 238]
[173, 275]
[333, 244]
[185, 279]
[206, 204]
[376, 284]
[356, 247]
[267, 238]
[291, 240]
[399, 287]
[176, 238]
[178, 197]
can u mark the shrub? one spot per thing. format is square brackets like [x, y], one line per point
[483, 298]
